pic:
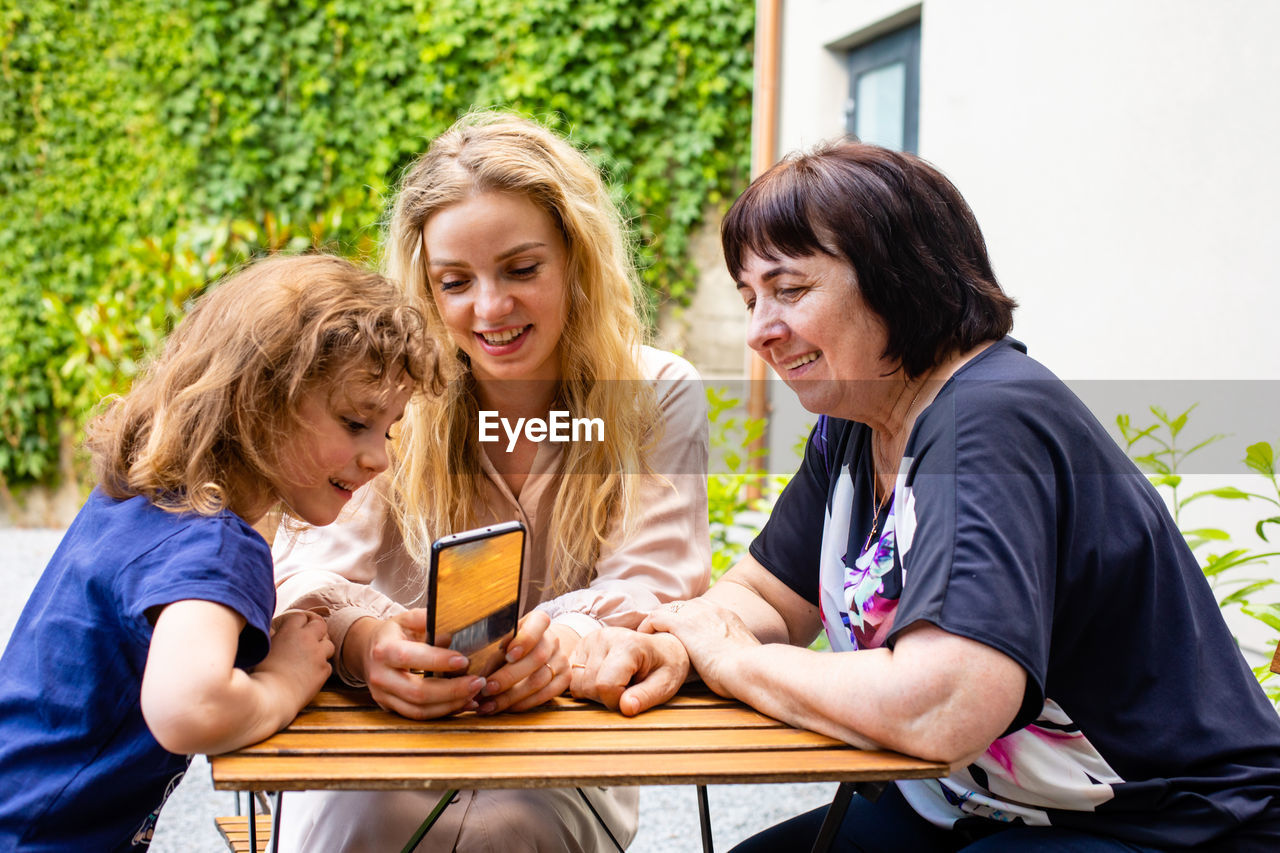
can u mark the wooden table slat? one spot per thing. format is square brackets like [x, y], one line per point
[589, 718]
[353, 698]
[532, 742]
[395, 772]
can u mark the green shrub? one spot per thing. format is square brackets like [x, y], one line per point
[147, 146]
[737, 493]
[1233, 573]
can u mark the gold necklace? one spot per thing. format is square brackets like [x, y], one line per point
[875, 519]
[875, 522]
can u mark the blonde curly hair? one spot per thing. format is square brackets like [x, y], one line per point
[205, 425]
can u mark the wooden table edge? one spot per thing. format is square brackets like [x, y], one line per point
[225, 779]
[470, 783]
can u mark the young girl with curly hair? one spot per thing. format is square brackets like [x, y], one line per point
[150, 636]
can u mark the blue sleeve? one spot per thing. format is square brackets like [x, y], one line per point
[790, 544]
[216, 559]
[982, 502]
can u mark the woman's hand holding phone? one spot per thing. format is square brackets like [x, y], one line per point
[391, 655]
[537, 667]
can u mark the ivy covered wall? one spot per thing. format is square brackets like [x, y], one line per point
[146, 146]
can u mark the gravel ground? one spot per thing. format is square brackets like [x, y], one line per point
[668, 815]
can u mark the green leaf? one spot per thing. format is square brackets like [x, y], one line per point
[1210, 440]
[1242, 557]
[1269, 614]
[1208, 533]
[1224, 492]
[1261, 458]
[1216, 563]
[1242, 594]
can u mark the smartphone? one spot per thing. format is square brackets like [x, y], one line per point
[473, 593]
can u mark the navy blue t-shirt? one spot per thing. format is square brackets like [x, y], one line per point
[79, 770]
[1018, 522]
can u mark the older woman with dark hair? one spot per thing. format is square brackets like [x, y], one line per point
[1002, 589]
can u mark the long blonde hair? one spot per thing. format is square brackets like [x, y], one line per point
[205, 425]
[438, 475]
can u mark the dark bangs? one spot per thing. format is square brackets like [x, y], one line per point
[773, 219]
[918, 257]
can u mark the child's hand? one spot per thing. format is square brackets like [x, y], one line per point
[299, 656]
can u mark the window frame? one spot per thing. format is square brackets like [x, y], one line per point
[901, 45]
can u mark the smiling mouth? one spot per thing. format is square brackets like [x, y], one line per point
[801, 361]
[498, 339]
[344, 486]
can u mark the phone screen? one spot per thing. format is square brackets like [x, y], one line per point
[474, 593]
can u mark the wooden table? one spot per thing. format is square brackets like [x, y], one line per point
[342, 740]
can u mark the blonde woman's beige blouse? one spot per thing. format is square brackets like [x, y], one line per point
[358, 566]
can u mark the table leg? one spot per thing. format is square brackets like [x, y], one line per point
[835, 816]
[704, 818]
[277, 803]
[429, 822]
[253, 823]
[600, 820]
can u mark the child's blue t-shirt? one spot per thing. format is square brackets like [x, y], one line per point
[79, 769]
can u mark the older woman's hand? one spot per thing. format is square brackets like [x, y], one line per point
[536, 670]
[712, 636]
[628, 671]
[392, 655]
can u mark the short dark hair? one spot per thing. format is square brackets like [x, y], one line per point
[913, 243]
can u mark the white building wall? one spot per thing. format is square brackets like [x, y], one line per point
[1120, 156]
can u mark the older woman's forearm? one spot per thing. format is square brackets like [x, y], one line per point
[763, 619]
[773, 612]
[935, 699]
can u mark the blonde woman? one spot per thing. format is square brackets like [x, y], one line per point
[507, 235]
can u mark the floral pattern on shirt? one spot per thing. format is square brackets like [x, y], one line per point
[865, 607]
